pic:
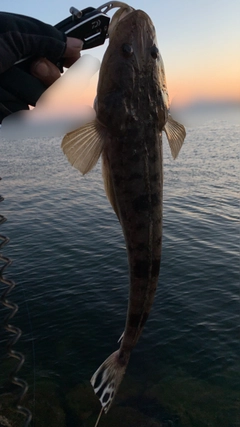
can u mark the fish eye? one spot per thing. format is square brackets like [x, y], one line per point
[127, 49]
[154, 51]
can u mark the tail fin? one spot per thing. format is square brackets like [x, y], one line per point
[107, 379]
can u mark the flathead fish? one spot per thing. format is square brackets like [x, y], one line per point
[132, 110]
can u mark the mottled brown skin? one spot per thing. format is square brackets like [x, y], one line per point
[130, 105]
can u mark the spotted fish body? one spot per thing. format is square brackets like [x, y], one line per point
[132, 170]
[132, 111]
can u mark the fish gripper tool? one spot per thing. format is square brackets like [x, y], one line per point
[16, 332]
[112, 5]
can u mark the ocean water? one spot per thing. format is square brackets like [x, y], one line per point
[71, 273]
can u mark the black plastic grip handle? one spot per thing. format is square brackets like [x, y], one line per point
[91, 27]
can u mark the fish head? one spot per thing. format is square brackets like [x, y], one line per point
[132, 77]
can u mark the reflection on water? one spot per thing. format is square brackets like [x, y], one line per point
[71, 272]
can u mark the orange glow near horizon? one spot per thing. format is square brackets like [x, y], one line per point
[188, 91]
[217, 78]
[183, 88]
[190, 86]
[183, 91]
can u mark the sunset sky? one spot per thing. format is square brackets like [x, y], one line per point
[199, 41]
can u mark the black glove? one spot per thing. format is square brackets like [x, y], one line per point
[22, 36]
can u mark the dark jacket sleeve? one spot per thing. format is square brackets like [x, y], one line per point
[22, 36]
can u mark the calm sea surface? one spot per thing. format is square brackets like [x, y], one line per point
[71, 273]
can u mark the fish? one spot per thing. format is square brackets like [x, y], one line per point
[132, 111]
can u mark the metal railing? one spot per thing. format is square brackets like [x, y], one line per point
[15, 332]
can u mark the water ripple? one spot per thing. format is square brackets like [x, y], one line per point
[71, 267]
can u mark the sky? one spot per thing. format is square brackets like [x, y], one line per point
[199, 41]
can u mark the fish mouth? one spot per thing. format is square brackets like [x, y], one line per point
[137, 18]
[136, 14]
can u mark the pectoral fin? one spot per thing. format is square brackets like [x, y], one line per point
[84, 146]
[175, 134]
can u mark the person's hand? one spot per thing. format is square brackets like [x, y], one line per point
[47, 72]
[25, 37]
